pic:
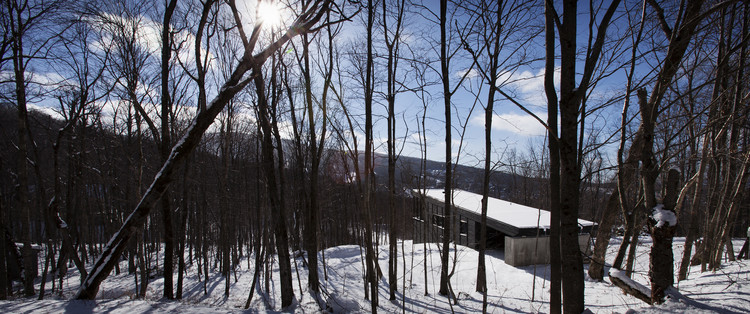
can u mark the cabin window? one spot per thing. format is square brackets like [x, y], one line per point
[418, 212]
[464, 227]
[438, 220]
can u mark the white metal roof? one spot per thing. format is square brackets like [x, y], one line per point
[517, 215]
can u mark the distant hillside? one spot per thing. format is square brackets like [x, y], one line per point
[502, 184]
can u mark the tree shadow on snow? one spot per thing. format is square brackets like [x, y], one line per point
[80, 306]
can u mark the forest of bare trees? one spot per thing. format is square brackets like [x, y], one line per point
[182, 136]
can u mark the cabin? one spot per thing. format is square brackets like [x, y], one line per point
[521, 231]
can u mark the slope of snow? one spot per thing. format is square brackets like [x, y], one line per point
[511, 289]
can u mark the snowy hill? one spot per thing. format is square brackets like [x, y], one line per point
[510, 289]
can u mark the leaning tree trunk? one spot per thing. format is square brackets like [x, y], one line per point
[187, 144]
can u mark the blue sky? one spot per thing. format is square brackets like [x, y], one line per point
[512, 128]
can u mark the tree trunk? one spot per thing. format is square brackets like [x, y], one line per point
[166, 111]
[554, 162]
[22, 201]
[661, 263]
[142, 265]
[570, 254]
[694, 213]
[488, 114]
[3, 249]
[371, 259]
[392, 46]
[447, 204]
[185, 147]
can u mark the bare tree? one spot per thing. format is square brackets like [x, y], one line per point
[501, 26]
[165, 145]
[446, 54]
[25, 20]
[570, 99]
[371, 259]
[77, 100]
[392, 39]
[236, 82]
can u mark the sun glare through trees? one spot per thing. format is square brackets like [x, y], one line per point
[328, 155]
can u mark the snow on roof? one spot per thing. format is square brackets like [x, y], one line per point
[517, 215]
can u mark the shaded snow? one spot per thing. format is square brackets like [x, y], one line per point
[511, 289]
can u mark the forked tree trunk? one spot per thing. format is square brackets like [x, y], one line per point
[677, 47]
[554, 161]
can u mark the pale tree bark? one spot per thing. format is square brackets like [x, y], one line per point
[678, 45]
[724, 171]
[693, 214]
[661, 235]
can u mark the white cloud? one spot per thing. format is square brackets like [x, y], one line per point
[470, 73]
[521, 124]
[148, 31]
[527, 86]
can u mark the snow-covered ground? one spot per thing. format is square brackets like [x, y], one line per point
[511, 289]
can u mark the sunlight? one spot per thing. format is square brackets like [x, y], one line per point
[269, 13]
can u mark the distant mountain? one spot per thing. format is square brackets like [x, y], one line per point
[467, 178]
